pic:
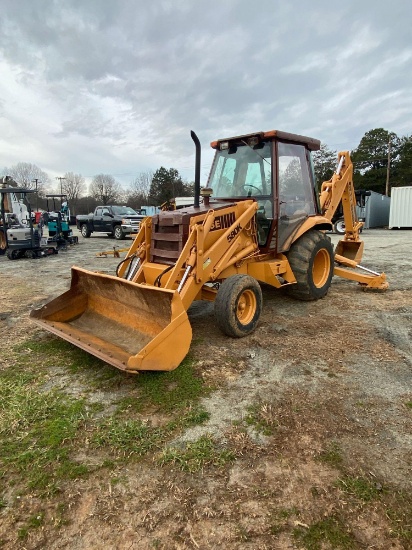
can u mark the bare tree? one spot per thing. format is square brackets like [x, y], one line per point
[105, 189]
[138, 192]
[141, 184]
[74, 187]
[25, 174]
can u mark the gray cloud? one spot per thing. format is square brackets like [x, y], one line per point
[130, 79]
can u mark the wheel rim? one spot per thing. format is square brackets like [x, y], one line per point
[246, 307]
[340, 227]
[321, 268]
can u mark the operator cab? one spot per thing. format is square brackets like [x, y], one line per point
[275, 169]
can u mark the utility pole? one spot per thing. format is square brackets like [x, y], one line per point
[61, 185]
[37, 181]
[388, 170]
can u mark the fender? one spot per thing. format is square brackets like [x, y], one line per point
[319, 222]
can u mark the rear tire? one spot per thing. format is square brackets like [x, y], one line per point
[238, 305]
[85, 231]
[311, 260]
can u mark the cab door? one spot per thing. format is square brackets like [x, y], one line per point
[98, 221]
[295, 190]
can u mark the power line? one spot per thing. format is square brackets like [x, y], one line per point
[135, 174]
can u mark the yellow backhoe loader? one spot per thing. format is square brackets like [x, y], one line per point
[259, 219]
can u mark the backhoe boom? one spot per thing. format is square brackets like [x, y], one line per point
[349, 250]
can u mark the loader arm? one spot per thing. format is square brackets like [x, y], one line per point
[207, 251]
[211, 257]
[349, 250]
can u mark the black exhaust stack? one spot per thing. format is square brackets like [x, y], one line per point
[197, 169]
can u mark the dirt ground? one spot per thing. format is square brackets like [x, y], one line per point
[337, 372]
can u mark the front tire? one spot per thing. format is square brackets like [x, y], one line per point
[238, 305]
[311, 260]
[118, 233]
[85, 231]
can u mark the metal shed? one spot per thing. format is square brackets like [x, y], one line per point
[401, 207]
[376, 210]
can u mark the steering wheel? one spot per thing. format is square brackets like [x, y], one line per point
[254, 187]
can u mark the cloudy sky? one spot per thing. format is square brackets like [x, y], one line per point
[99, 86]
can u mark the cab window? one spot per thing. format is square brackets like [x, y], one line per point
[242, 171]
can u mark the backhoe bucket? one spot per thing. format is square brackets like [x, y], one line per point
[352, 250]
[131, 326]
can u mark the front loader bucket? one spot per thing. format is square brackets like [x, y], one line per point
[131, 326]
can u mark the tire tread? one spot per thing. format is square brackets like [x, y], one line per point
[225, 304]
[300, 257]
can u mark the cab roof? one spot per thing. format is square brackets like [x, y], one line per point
[312, 143]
